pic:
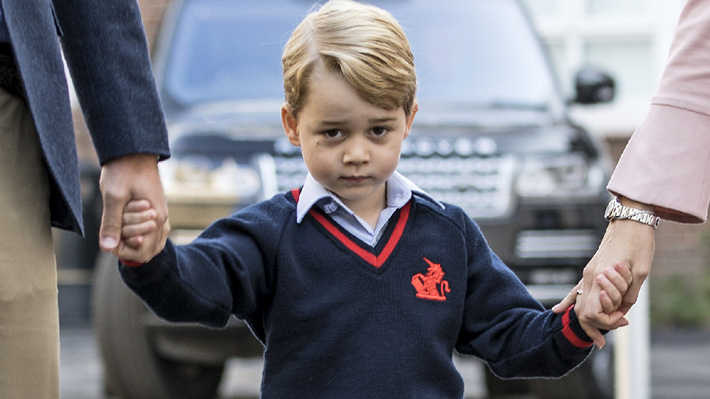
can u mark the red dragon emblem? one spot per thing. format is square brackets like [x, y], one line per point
[432, 285]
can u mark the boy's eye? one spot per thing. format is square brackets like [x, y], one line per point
[379, 131]
[333, 133]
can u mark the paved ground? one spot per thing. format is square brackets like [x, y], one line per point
[680, 365]
[81, 371]
[680, 368]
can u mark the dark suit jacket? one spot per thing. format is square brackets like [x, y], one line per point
[106, 51]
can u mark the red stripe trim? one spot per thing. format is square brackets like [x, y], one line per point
[570, 334]
[366, 255]
[129, 263]
[396, 235]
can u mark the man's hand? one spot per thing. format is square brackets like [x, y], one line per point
[132, 177]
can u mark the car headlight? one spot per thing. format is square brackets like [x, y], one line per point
[561, 176]
[198, 178]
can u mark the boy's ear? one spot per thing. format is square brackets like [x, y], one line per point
[290, 124]
[410, 119]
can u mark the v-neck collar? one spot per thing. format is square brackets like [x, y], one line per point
[365, 252]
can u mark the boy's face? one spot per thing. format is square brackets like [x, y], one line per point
[350, 146]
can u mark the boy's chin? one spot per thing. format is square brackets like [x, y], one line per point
[361, 194]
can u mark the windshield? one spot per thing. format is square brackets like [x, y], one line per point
[468, 54]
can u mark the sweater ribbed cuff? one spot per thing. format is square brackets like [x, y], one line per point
[573, 331]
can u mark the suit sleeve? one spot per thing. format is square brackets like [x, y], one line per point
[508, 329]
[107, 54]
[667, 161]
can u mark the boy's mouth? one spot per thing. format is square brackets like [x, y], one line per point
[354, 179]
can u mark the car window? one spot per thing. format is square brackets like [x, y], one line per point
[470, 54]
[226, 50]
[481, 54]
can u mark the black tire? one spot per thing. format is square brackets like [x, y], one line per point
[132, 368]
[594, 379]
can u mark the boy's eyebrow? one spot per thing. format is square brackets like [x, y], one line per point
[383, 120]
[371, 120]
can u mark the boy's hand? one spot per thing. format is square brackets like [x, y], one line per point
[613, 284]
[138, 219]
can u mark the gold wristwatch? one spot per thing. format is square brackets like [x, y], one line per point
[616, 211]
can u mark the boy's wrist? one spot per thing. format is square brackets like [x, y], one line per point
[575, 332]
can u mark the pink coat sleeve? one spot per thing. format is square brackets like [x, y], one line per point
[667, 161]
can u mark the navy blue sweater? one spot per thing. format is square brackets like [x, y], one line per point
[341, 319]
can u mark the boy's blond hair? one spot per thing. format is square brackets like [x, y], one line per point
[362, 43]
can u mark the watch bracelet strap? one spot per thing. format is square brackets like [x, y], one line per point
[645, 217]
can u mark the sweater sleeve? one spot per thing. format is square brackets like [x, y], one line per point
[224, 272]
[667, 161]
[508, 329]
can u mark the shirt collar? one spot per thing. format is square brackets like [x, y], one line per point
[399, 192]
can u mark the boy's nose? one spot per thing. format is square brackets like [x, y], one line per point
[356, 152]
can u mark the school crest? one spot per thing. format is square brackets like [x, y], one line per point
[432, 284]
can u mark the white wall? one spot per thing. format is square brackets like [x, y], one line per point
[629, 39]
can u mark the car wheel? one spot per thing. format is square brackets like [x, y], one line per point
[594, 379]
[133, 369]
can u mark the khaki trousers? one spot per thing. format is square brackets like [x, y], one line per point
[29, 320]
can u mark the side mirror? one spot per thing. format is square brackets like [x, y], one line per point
[593, 86]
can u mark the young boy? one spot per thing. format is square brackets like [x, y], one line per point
[359, 284]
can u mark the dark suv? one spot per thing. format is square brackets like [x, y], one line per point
[492, 135]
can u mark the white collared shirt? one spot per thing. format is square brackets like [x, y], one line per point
[399, 192]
